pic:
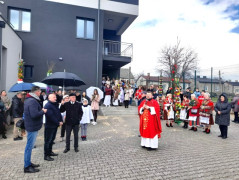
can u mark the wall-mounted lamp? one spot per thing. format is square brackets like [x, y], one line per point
[60, 59]
[1, 2]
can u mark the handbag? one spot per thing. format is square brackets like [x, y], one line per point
[194, 111]
[20, 124]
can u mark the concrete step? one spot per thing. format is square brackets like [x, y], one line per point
[118, 110]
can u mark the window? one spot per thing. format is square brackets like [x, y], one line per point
[85, 28]
[28, 71]
[217, 88]
[206, 88]
[20, 19]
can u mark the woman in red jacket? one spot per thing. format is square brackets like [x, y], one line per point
[193, 107]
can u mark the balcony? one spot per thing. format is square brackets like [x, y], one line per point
[118, 49]
[115, 55]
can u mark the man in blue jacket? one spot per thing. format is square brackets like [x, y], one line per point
[33, 114]
[53, 120]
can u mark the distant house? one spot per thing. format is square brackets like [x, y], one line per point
[148, 80]
[231, 87]
[204, 83]
[125, 74]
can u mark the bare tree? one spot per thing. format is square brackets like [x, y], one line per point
[185, 60]
[138, 75]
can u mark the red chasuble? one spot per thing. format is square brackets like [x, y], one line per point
[150, 125]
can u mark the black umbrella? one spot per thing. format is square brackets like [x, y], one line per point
[63, 79]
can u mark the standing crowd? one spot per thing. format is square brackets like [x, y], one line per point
[28, 112]
[194, 110]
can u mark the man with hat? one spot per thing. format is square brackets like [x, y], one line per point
[73, 116]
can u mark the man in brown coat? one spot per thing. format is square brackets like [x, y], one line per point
[235, 108]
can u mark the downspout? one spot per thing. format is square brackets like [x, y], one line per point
[98, 46]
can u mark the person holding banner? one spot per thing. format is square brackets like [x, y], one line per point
[205, 114]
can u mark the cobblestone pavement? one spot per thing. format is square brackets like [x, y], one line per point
[113, 151]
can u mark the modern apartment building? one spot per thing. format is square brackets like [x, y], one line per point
[78, 36]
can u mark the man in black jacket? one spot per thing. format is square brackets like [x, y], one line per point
[73, 116]
[17, 113]
[53, 120]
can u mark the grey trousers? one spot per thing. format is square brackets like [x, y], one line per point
[83, 130]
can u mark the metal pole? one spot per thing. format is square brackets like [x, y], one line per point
[211, 79]
[195, 79]
[183, 81]
[98, 46]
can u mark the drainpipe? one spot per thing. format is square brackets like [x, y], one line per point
[98, 46]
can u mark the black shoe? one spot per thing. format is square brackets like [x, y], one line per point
[235, 121]
[66, 150]
[18, 138]
[35, 146]
[195, 129]
[4, 136]
[76, 150]
[151, 149]
[167, 125]
[186, 126]
[171, 124]
[192, 129]
[208, 131]
[139, 135]
[53, 154]
[48, 158]
[220, 136]
[224, 137]
[53, 143]
[30, 169]
[35, 165]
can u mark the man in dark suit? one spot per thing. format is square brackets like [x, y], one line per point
[53, 120]
[73, 116]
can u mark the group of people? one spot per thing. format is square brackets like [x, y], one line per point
[117, 93]
[53, 110]
[196, 110]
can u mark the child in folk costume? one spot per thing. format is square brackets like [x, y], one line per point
[168, 110]
[85, 120]
[184, 111]
[206, 109]
[126, 99]
[193, 107]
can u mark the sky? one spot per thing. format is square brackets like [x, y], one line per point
[209, 27]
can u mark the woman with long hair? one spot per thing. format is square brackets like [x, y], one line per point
[95, 100]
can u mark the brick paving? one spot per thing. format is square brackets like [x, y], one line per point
[113, 151]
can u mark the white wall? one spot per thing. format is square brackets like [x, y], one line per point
[104, 5]
[13, 45]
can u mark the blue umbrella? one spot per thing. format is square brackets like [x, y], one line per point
[21, 87]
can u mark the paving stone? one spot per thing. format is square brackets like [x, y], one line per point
[112, 151]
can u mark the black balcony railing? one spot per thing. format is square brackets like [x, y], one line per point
[116, 48]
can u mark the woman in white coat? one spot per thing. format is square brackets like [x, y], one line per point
[85, 120]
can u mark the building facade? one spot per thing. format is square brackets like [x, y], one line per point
[10, 54]
[82, 37]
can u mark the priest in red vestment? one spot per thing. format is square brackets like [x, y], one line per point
[150, 125]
